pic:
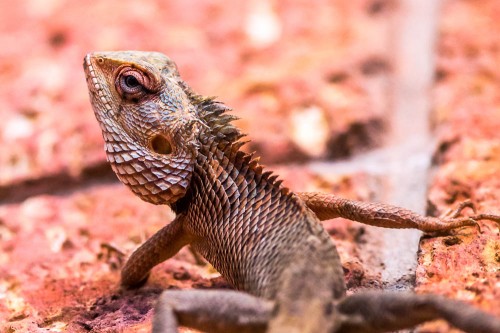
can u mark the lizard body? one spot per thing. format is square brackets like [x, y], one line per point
[172, 146]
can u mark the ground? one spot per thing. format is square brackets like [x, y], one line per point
[313, 82]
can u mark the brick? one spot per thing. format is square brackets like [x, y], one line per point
[465, 265]
[61, 265]
[54, 263]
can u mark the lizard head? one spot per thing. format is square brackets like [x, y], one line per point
[148, 123]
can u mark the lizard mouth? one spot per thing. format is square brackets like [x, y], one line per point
[89, 70]
[90, 74]
[95, 89]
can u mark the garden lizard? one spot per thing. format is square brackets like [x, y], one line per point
[173, 147]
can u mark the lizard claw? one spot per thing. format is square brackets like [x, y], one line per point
[454, 213]
[112, 255]
[453, 220]
[489, 217]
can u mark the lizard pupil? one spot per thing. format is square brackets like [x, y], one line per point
[131, 81]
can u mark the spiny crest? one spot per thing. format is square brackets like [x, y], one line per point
[220, 123]
[214, 114]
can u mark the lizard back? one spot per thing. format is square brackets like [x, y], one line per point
[249, 227]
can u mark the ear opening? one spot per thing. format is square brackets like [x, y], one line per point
[161, 145]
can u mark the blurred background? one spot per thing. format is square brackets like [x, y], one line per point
[387, 100]
[298, 73]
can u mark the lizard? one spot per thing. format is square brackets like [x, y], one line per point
[173, 147]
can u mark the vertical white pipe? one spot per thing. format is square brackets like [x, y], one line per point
[410, 141]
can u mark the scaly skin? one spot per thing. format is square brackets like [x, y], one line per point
[171, 146]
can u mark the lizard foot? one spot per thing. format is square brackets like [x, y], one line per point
[453, 220]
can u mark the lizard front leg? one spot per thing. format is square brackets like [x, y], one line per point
[328, 206]
[162, 245]
[375, 311]
[211, 311]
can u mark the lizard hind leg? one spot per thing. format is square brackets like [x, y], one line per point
[375, 311]
[224, 311]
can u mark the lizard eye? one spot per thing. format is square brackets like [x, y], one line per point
[131, 83]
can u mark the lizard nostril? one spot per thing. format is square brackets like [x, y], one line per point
[160, 145]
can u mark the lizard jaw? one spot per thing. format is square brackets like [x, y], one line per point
[170, 169]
